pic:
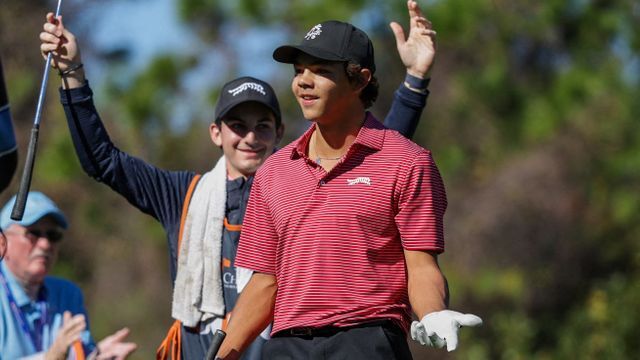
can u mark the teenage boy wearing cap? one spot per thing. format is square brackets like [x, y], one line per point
[247, 127]
[342, 255]
[44, 316]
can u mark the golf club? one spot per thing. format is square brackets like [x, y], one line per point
[27, 171]
[218, 337]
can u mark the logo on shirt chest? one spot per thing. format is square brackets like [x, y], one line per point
[359, 180]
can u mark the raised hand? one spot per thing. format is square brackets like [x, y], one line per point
[60, 42]
[417, 52]
[114, 347]
[70, 331]
[439, 329]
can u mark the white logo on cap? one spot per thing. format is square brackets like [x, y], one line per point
[248, 86]
[314, 32]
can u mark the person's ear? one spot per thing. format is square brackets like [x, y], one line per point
[3, 245]
[364, 77]
[215, 131]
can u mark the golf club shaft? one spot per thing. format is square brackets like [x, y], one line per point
[27, 171]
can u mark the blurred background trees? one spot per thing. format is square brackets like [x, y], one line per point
[533, 120]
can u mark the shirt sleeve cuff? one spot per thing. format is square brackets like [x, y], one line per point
[76, 95]
[416, 82]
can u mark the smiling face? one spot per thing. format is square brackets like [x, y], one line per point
[247, 135]
[324, 91]
[32, 250]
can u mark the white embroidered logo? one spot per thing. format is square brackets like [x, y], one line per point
[248, 86]
[314, 32]
[360, 180]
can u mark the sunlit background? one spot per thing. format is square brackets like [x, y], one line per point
[533, 119]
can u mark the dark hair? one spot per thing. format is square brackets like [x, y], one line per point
[370, 93]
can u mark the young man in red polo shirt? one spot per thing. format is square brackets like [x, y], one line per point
[344, 225]
[247, 127]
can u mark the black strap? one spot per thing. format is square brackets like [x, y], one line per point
[330, 330]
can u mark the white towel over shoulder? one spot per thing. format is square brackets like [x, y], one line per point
[197, 293]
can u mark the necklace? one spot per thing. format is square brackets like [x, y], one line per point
[319, 159]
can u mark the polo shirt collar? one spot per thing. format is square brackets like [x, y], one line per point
[17, 291]
[371, 135]
[21, 297]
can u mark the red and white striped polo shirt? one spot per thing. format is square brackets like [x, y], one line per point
[335, 240]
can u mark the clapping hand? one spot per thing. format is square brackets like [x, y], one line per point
[70, 331]
[114, 347]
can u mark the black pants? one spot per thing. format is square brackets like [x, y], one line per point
[384, 342]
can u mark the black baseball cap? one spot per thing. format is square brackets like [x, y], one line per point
[333, 41]
[245, 89]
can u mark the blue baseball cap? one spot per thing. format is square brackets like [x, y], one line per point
[38, 206]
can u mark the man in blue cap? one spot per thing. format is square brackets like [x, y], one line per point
[43, 315]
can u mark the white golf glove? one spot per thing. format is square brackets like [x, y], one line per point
[440, 328]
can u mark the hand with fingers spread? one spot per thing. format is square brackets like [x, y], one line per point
[70, 331]
[440, 328]
[418, 50]
[114, 346]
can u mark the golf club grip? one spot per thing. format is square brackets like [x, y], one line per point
[25, 182]
[218, 337]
